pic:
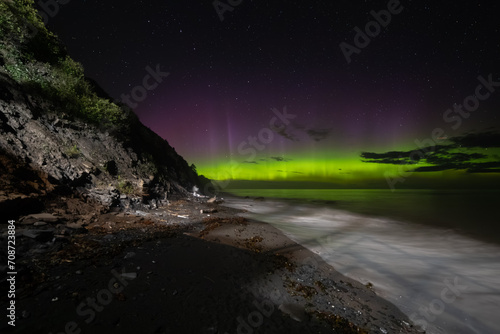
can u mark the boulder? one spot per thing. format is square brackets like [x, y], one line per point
[39, 235]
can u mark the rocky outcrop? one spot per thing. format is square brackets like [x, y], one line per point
[60, 131]
[127, 166]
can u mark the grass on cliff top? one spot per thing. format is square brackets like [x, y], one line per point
[35, 58]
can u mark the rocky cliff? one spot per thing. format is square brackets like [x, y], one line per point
[58, 132]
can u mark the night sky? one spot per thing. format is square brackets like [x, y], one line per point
[270, 93]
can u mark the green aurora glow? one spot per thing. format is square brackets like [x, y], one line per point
[344, 170]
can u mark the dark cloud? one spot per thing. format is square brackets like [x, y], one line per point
[280, 159]
[453, 158]
[445, 157]
[484, 140]
[250, 162]
[318, 134]
[471, 167]
[283, 132]
[389, 161]
[297, 132]
[485, 167]
[436, 168]
[394, 157]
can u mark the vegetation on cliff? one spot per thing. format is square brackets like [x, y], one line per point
[34, 57]
[58, 120]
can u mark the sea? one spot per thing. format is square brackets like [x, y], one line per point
[433, 253]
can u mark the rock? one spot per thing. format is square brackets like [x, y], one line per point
[139, 213]
[129, 255]
[83, 158]
[40, 224]
[61, 238]
[295, 311]
[39, 235]
[212, 330]
[107, 196]
[43, 217]
[129, 275]
[75, 226]
[39, 249]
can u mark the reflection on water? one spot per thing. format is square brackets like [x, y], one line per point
[446, 282]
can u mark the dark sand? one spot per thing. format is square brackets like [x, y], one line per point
[177, 270]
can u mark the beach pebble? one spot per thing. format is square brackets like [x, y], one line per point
[212, 330]
[295, 311]
[129, 275]
[129, 255]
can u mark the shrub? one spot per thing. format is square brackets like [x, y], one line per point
[34, 58]
[125, 187]
[21, 24]
[73, 152]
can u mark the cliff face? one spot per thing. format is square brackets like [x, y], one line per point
[55, 131]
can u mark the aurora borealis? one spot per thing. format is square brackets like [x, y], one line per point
[229, 79]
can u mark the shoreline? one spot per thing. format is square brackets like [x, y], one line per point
[442, 280]
[179, 270]
[469, 231]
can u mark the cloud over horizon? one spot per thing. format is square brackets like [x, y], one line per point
[460, 154]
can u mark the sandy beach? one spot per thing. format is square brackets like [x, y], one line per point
[187, 267]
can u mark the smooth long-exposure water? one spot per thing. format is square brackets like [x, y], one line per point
[435, 255]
